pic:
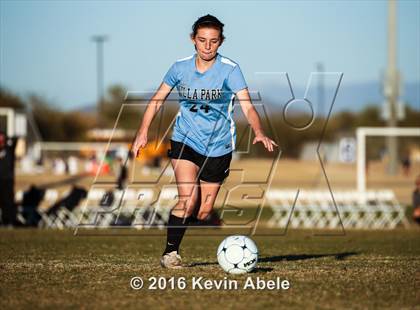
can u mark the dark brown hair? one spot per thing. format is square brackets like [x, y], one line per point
[208, 21]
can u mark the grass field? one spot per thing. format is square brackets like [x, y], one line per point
[361, 269]
[45, 268]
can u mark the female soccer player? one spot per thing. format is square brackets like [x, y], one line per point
[204, 133]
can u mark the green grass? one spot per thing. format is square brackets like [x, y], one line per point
[360, 270]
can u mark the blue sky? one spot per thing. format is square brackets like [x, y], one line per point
[46, 46]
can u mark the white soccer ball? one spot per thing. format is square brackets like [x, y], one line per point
[237, 254]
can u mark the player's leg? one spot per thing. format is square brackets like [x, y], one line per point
[209, 191]
[213, 173]
[186, 178]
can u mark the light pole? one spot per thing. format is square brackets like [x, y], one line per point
[391, 87]
[99, 40]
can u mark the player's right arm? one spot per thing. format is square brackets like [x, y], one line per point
[152, 108]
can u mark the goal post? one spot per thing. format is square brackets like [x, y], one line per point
[13, 122]
[362, 133]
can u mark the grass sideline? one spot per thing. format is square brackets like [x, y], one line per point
[47, 268]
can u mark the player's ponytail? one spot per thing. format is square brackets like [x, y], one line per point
[208, 21]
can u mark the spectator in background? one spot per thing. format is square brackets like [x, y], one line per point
[30, 203]
[416, 201]
[406, 165]
[59, 166]
[73, 165]
[122, 173]
[7, 179]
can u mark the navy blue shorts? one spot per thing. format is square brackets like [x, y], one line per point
[212, 169]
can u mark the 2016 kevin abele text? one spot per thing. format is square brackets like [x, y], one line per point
[202, 283]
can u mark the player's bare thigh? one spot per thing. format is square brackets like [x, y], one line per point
[186, 173]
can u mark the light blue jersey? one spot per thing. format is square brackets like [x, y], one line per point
[205, 119]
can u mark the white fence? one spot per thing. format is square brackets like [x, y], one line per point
[342, 209]
[144, 208]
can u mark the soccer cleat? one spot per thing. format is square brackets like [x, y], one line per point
[171, 260]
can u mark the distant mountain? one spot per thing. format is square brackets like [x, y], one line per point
[350, 96]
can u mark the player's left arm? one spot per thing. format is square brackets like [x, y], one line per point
[254, 120]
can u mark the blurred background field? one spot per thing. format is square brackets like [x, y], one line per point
[289, 174]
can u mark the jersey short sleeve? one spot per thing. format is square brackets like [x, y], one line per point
[171, 77]
[236, 80]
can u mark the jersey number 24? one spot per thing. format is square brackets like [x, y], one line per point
[204, 107]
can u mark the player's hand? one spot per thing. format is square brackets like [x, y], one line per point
[139, 143]
[268, 143]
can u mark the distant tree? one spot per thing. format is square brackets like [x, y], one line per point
[7, 99]
[412, 117]
[48, 119]
[370, 116]
[76, 124]
[344, 121]
[57, 125]
[131, 112]
[112, 105]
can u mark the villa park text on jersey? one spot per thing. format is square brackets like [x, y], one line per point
[208, 129]
[199, 94]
